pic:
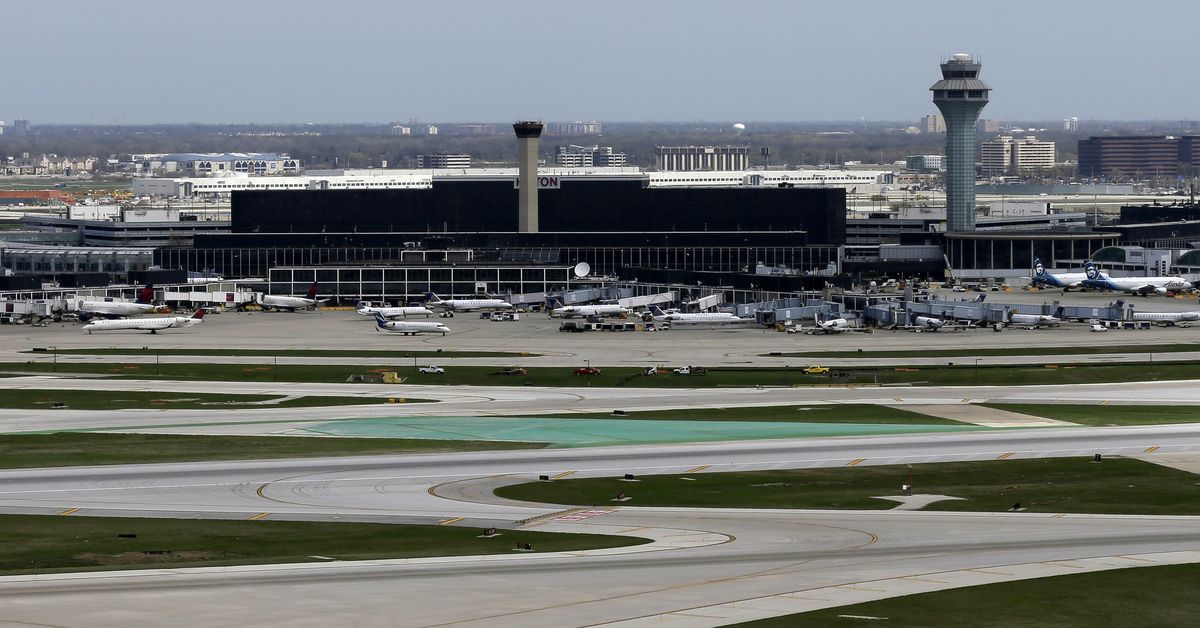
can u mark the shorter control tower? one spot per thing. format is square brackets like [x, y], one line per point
[528, 132]
[960, 96]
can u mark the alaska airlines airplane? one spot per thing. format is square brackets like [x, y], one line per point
[698, 318]
[151, 325]
[1135, 285]
[112, 308]
[466, 304]
[1066, 281]
[275, 302]
[395, 312]
[409, 328]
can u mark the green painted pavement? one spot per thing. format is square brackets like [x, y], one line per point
[595, 432]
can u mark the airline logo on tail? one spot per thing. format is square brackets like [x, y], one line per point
[147, 294]
[1038, 269]
[312, 292]
[198, 314]
[1093, 273]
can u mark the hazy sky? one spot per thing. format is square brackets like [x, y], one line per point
[137, 62]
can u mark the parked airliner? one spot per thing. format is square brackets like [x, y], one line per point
[276, 302]
[697, 318]
[395, 312]
[464, 305]
[113, 308]
[567, 311]
[1066, 281]
[1135, 285]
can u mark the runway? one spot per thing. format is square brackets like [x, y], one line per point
[726, 555]
[706, 567]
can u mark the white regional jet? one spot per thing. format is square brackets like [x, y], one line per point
[275, 302]
[831, 326]
[698, 318]
[410, 328]
[395, 312]
[464, 305]
[151, 325]
[1182, 319]
[568, 311]
[1037, 320]
[110, 308]
[927, 323]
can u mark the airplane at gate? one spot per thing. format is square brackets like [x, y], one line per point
[1037, 320]
[1181, 319]
[110, 308]
[567, 311]
[831, 326]
[152, 325]
[409, 328]
[276, 302]
[697, 318]
[395, 312]
[1134, 285]
[1066, 281]
[465, 305]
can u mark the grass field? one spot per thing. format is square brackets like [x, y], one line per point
[998, 351]
[832, 413]
[1072, 485]
[950, 375]
[1145, 596]
[64, 449]
[29, 398]
[1100, 416]
[49, 544]
[289, 353]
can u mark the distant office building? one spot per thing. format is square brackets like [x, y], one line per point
[1148, 155]
[444, 160]
[1, 127]
[20, 128]
[1071, 125]
[933, 123]
[578, 128]
[996, 156]
[1005, 155]
[1031, 154]
[476, 128]
[573, 156]
[696, 158]
[429, 129]
[988, 126]
[400, 129]
[1189, 150]
[925, 163]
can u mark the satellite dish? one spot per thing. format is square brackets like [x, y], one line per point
[582, 269]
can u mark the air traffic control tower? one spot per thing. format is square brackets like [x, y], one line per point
[960, 96]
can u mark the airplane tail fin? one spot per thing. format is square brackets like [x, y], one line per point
[432, 298]
[312, 291]
[553, 304]
[146, 294]
[980, 298]
[1119, 304]
[1059, 312]
[380, 321]
[198, 314]
[654, 309]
